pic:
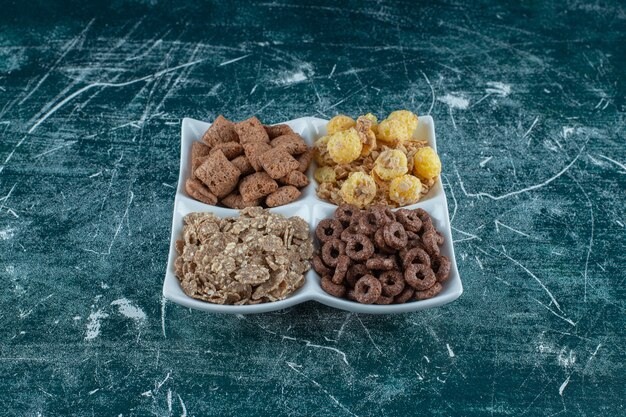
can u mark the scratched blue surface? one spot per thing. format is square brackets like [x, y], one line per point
[529, 105]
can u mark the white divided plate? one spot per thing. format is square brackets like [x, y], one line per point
[312, 209]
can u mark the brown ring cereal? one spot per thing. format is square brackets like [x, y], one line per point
[331, 251]
[344, 213]
[414, 254]
[394, 235]
[419, 276]
[379, 263]
[367, 289]
[429, 293]
[384, 300]
[441, 267]
[409, 219]
[355, 273]
[404, 295]
[319, 267]
[359, 248]
[328, 229]
[392, 283]
[331, 288]
[343, 263]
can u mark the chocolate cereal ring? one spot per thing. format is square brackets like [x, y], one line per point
[429, 242]
[429, 293]
[351, 295]
[441, 268]
[319, 267]
[392, 283]
[381, 245]
[348, 233]
[343, 263]
[331, 288]
[331, 252]
[440, 237]
[417, 256]
[367, 224]
[355, 273]
[409, 219]
[345, 212]
[384, 300]
[359, 248]
[404, 295]
[328, 229]
[395, 235]
[380, 264]
[367, 289]
[382, 214]
[419, 276]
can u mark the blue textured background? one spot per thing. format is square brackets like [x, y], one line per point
[529, 106]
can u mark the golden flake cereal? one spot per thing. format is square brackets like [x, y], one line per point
[359, 189]
[390, 164]
[345, 146]
[405, 190]
[339, 123]
[426, 163]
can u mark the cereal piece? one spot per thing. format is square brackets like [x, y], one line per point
[328, 229]
[382, 300]
[429, 293]
[295, 178]
[441, 267]
[256, 186]
[429, 241]
[404, 296]
[253, 150]
[392, 131]
[343, 263]
[367, 289]
[325, 174]
[180, 244]
[283, 195]
[348, 233]
[320, 154]
[277, 162]
[395, 235]
[380, 264]
[200, 192]
[292, 143]
[231, 150]
[359, 248]
[305, 160]
[390, 164]
[243, 165]
[199, 150]
[339, 123]
[409, 219]
[355, 272]
[331, 251]
[277, 130]
[381, 245]
[221, 130]
[392, 283]
[331, 288]
[405, 190]
[364, 127]
[359, 189]
[234, 200]
[408, 119]
[415, 256]
[345, 212]
[372, 119]
[382, 214]
[252, 274]
[345, 146]
[319, 267]
[426, 163]
[251, 131]
[368, 224]
[419, 276]
[219, 174]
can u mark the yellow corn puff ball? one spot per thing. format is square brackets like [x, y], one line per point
[372, 118]
[426, 163]
[339, 123]
[390, 164]
[392, 131]
[359, 189]
[407, 118]
[405, 190]
[325, 174]
[345, 146]
[320, 151]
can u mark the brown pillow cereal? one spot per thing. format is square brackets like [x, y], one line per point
[255, 258]
[225, 164]
[377, 256]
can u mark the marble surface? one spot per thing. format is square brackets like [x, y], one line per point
[529, 105]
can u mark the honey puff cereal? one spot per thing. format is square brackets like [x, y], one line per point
[368, 161]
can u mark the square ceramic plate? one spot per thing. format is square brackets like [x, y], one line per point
[311, 209]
